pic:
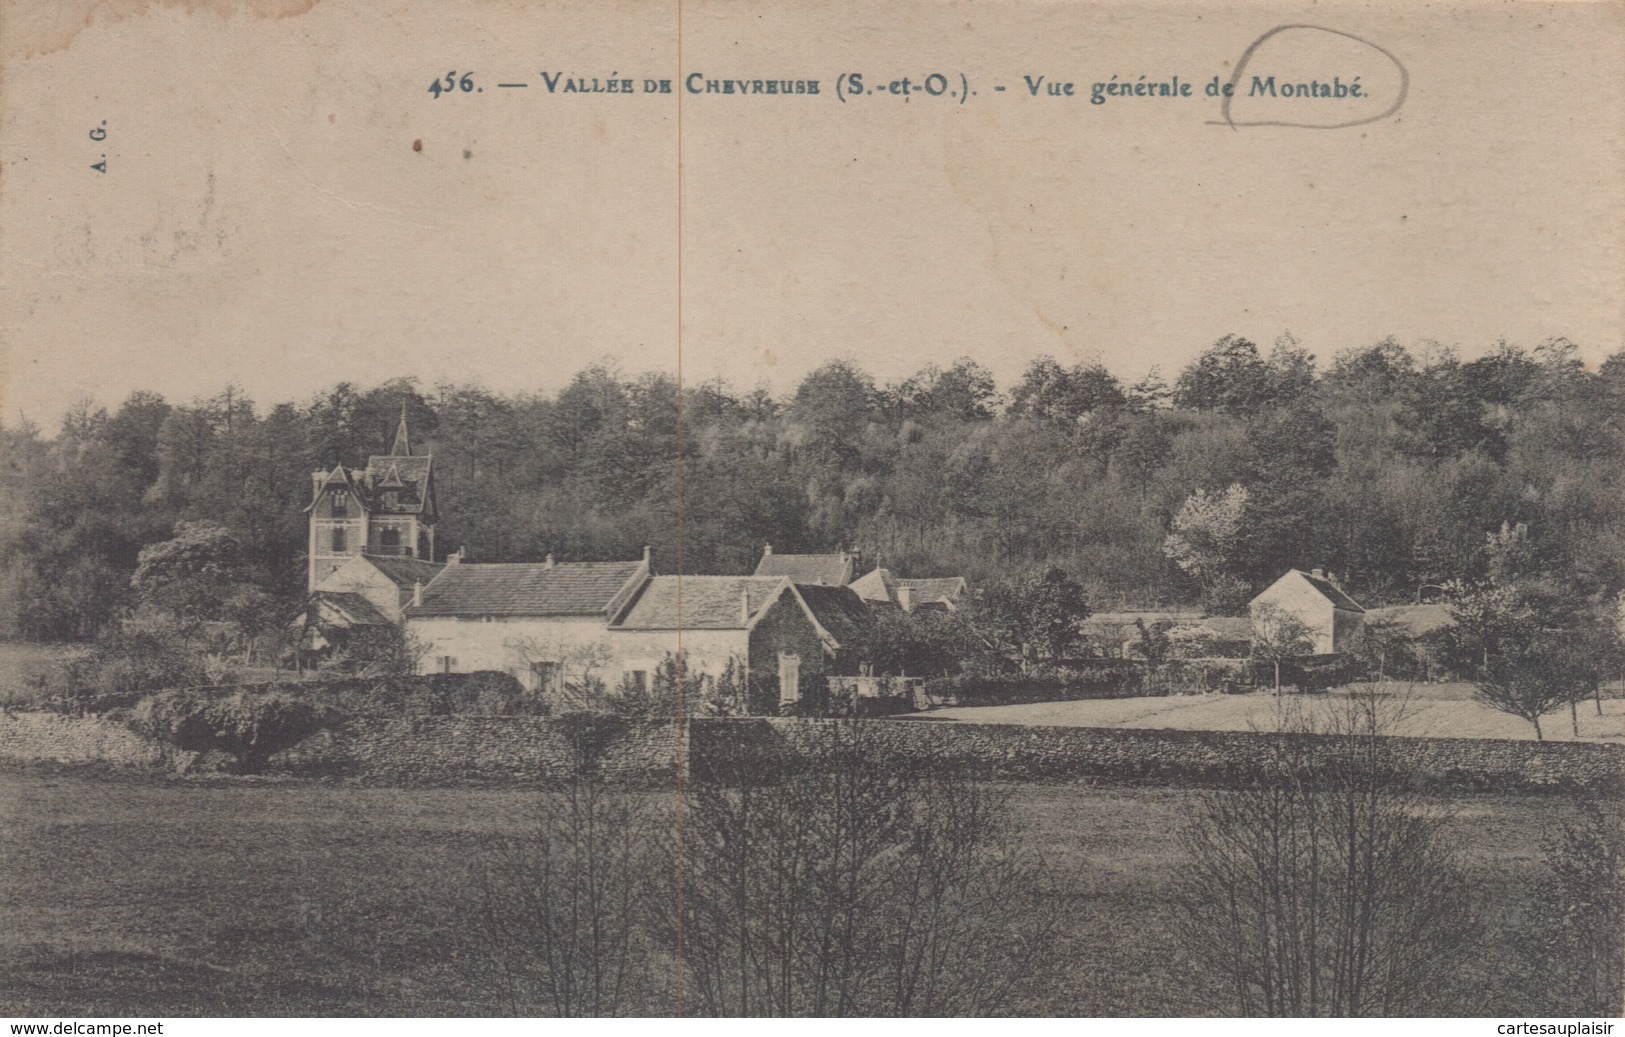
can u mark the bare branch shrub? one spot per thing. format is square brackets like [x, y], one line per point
[849, 889]
[1326, 886]
[1585, 949]
[560, 906]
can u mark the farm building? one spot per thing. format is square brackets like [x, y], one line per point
[1314, 599]
[766, 624]
[537, 620]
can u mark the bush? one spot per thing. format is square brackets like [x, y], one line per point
[127, 661]
[1581, 952]
[856, 888]
[1103, 679]
[249, 725]
[1326, 885]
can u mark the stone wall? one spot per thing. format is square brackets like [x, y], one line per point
[761, 746]
[452, 750]
[52, 738]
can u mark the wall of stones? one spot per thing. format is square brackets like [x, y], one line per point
[52, 738]
[451, 750]
[752, 748]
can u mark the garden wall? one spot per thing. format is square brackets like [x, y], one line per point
[1017, 753]
[452, 750]
[442, 750]
[53, 738]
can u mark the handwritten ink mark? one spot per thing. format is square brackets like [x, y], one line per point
[1247, 56]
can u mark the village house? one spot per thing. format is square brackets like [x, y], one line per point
[1315, 600]
[544, 622]
[774, 630]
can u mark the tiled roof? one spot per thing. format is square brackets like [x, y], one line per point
[404, 572]
[838, 610]
[1417, 620]
[935, 588]
[413, 472]
[876, 585]
[699, 602]
[1331, 592]
[347, 609]
[832, 570]
[526, 589]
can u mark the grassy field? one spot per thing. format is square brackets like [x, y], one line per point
[1434, 711]
[129, 896]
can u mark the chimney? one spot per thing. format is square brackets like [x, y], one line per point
[1319, 574]
[316, 479]
[549, 562]
[905, 598]
[645, 554]
[417, 593]
[455, 558]
[767, 549]
[744, 607]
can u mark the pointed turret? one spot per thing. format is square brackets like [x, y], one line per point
[403, 442]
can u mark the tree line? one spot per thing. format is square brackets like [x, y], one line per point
[1390, 467]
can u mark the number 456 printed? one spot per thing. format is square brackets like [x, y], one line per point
[452, 83]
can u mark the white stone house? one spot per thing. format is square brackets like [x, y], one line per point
[1313, 598]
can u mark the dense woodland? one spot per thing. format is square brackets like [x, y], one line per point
[1390, 467]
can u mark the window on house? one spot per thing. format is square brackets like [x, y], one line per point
[789, 678]
[340, 542]
[389, 538]
[448, 664]
[639, 679]
[341, 502]
[544, 675]
[391, 498]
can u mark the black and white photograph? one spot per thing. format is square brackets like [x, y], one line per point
[714, 509]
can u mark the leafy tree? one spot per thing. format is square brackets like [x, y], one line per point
[191, 575]
[1034, 618]
[1063, 395]
[1204, 538]
[1229, 376]
[1534, 677]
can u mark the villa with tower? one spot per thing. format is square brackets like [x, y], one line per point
[372, 565]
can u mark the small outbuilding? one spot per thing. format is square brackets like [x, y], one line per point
[1314, 599]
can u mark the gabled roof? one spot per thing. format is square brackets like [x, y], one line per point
[1331, 592]
[876, 585]
[839, 610]
[1325, 588]
[937, 588]
[404, 572]
[338, 478]
[408, 477]
[700, 603]
[530, 589]
[347, 609]
[831, 570]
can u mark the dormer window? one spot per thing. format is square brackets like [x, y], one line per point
[341, 502]
[392, 499]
